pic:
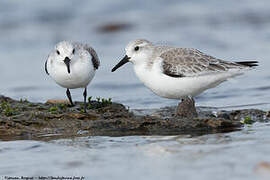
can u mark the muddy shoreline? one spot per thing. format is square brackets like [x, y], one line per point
[27, 120]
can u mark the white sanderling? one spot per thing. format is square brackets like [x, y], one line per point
[72, 65]
[179, 73]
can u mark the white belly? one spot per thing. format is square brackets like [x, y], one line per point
[79, 77]
[179, 87]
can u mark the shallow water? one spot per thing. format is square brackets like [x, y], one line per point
[233, 155]
[231, 30]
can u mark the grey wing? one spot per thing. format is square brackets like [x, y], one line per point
[91, 51]
[46, 69]
[184, 62]
[95, 59]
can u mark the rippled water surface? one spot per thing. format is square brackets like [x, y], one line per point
[234, 155]
[231, 30]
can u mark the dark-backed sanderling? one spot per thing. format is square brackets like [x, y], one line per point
[72, 65]
[179, 73]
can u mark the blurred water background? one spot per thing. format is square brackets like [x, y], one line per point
[230, 30]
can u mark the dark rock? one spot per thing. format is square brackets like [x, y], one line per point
[25, 120]
[187, 109]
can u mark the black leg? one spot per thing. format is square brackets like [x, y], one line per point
[69, 97]
[84, 96]
[192, 100]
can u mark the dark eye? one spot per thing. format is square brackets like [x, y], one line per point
[136, 48]
[57, 52]
[73, 51]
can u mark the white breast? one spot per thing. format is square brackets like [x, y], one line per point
[178, 87]
[81, 73]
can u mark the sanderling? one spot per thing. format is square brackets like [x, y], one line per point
[179, 73]
[72, 65]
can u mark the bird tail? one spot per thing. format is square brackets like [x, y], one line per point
[248, 63]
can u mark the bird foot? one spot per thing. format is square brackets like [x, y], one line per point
[71, 105]
[186, 108]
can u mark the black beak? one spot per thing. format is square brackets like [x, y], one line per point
[67, 62]
[121, 63]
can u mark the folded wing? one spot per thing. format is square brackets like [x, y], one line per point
[92, 52]
[185, 62]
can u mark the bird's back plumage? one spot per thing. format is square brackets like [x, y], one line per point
[186, 62]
